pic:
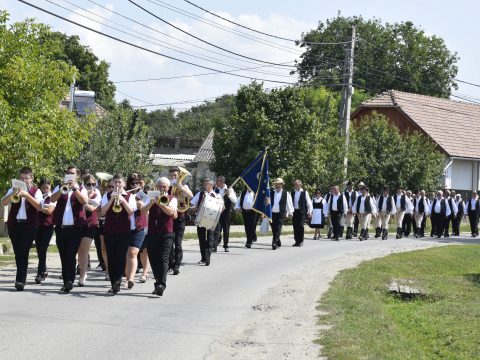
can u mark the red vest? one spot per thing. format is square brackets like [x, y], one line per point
[45, 219]
[78, 210]
[117, 223]
[92, 217]
[32, 212]
[158, 221]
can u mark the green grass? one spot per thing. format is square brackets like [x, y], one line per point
[369, 323]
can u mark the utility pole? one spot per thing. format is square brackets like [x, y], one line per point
[347, 91]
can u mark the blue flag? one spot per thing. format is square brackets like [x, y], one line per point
[256, 178]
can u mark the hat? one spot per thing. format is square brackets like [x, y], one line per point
[459, 195]
[278, 181]
[361, 183]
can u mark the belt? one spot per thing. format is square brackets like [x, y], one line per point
[68, 226]
[21, 220]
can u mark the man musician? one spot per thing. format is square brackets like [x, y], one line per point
[249, 216]
[229, 198]
[22, 221]
[184, 194]
[337, 207]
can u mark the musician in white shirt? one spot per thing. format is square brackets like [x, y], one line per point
[364, 207]
[282, 207]
[386, 208]
[205, 237]
[303, 208]
[250, 217]
[230, 199]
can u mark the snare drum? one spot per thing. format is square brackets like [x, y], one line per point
[209, 212]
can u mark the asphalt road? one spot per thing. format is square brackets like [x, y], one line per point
[197, 309]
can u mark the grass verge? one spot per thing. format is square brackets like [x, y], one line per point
[369, 323]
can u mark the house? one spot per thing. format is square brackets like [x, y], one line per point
[452, 125]
[204, 158]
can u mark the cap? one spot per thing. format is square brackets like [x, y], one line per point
[278, 181]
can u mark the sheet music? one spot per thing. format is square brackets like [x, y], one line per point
[19, 185]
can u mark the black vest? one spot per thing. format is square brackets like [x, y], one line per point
[283, 201]
[317, 205]
[421, 204]
[461, 210]
[389, 203]
[402, 201]
[347, 196]
[226, 200]
[367, 207]
[339, 203]
[443, 207]
[469, 206]
[302, 201]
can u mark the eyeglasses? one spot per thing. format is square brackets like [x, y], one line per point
[111, 186]
[90, 184]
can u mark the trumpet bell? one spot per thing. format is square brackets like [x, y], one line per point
[64, 189]
[163, 200]
[116, 208]
[15, 199]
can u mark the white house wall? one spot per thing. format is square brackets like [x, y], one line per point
[463, 174]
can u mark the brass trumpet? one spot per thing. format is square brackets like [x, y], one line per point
[64, 189]
[163, 199]
[116, 207]
[15, 198]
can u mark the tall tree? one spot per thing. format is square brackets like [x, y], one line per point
[120, 143]
[35, 130]
[92, 72]
[299, 125]
[397, 56]
[379, 155]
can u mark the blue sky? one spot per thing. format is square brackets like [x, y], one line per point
[453, 21]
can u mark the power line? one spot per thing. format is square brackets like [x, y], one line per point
[200, 39]
[207, 58]
[149, 50]
[466, 82]
[222, 27]
[264, 33]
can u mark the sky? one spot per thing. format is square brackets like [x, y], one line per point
[452, 21]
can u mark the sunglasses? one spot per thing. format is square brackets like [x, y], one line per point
[90, 184]
[111, 186]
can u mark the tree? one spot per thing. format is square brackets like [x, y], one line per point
[380, 155]
[120, 143]
[299, 125]
[392, 56]
[35, 131]
[92, 73]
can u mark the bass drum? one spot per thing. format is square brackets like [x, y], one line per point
[209, 212]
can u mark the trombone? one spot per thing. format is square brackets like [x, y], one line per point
[117, 208]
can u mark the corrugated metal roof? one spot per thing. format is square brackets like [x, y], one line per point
[453, 125]
[205, 153]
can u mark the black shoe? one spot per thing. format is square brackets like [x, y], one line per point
[44, 276]
[80, 284]
[159, 289]
[214, 249]
[274, 247]
[227, 249]
[68, 286]
[248, 246]
[207, 262]
[279, 243]
[116, 286]
[130, 284]
[38, 279]
[19, 285]
[201, 262]
[176, 272]
[334, 239]
[296, 244]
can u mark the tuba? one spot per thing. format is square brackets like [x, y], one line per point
[104, 178]
[182, 199]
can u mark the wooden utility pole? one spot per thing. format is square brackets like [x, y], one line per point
[347, 91]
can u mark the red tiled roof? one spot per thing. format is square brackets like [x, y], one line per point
[453, 125]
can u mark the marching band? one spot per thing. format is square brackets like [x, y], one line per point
[135, 225]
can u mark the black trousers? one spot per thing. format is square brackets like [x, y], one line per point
[424, 224]
[473, 218]
[355, 223]
[448, 220]
[159, 246]
[298, 221]
[335, 218]
[176, 252]
[98, 244]
[205, 240]
[117, 248]
[42, 241]
[407, 224]
[438, 222]
[457, 220]
[21, 237]
[68, 241]
[223, 225]
[250, 223]
[277, 224]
